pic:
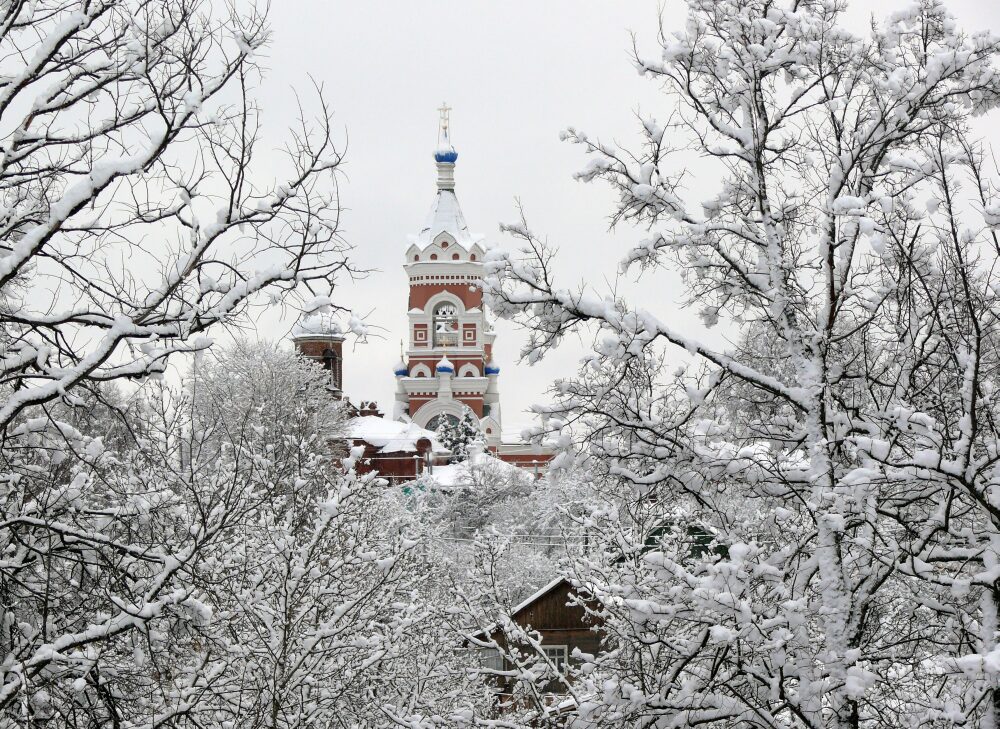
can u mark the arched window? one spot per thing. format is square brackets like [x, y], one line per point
[331, 363]
[438, 420]
[445, 325]
[329, 359]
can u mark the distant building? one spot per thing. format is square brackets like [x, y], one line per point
[448, 369]
[321, 338]
[563, 627]
[400, 452]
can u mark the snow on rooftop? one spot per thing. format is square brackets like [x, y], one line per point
[539, 593]
[536, 595]
[446, 216]
[391, 436]
[460, 474]
[317, 324]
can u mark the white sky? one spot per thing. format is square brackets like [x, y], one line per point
[515, 73]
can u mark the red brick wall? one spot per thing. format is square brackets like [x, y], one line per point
[469, 296]
[396, 467]
[314, 348]
[474, 402]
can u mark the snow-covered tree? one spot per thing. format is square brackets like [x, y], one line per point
[137, 217]
[842, 455]
[457, 435]
[223, 570]
[137, 213]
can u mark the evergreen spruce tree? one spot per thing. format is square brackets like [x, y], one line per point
[458, 435]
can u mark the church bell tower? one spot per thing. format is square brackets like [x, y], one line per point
[448, 369]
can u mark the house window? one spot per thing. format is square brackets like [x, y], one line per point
[490, 658]
[558, 654]
[445, 325]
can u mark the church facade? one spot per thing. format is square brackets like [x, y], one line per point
[447, 372]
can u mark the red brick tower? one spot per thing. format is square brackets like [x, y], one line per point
[449, 369]
[320, 337]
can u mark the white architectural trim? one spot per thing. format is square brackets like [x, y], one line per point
[438, 298]
[439, 407]
[462, 386]
[468, 370]
[421, 370]
[489, 423]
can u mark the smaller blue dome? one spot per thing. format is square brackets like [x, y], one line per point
[444, 365]
[492, 369]
[446, 155]
[400, 370]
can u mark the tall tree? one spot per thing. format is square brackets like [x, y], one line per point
[844, 452]
[135, 222]
[135, 215]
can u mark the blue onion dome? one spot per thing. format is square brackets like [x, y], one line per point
[444, 365]
[446, 154]
[401, 370]
[492, 368]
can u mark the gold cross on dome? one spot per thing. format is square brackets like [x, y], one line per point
[444, 110]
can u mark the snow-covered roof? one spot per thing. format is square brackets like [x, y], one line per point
[525, 603]
[445, 216]
[391, 436]
[460, 474]
[537, 594]
[318, 325]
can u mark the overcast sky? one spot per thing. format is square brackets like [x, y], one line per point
[515, 73]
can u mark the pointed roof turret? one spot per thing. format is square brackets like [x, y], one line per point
[445, 152]
[445, 215]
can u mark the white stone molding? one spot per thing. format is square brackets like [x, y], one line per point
[421, 370]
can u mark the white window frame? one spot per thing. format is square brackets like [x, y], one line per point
[558, 653]
[490, 659]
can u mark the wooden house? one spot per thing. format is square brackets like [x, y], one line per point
[562, 624]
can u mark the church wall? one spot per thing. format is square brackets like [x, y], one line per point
[470, 296]
[475, 404]
[396, 467]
